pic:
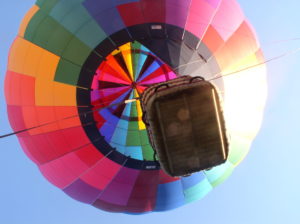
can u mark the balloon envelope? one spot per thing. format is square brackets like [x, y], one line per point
[74, 57]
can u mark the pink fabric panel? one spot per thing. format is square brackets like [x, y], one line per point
[199, 17]
[228, 18]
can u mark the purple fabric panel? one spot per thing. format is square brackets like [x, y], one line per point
[106, 15]
[119, 190]
[96, 6]
[177, 12]
[110, 21]
[82, 191]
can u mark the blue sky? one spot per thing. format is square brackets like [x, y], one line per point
[264, 188]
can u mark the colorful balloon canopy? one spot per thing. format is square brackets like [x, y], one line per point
[74, 57]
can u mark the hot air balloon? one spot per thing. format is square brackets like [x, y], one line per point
[72, 58]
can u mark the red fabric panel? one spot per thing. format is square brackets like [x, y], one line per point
[75, 137]
[131, 13]
[165, 178]
[12, 88]
[27, 90]
[15, 116]
[89, 155]
[59, 143]
[143, 195]
[67, 111]
[27, 150]
[158, 72]
[40, 148]
[101, 174]
[154, 11]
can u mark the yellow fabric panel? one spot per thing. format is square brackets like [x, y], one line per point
[27, 19]
[242, 63]
[29, 59]
[139, 112]
[128, 60]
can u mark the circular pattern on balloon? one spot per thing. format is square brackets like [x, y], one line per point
[72, 57]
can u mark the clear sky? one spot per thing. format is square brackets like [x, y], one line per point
[264, 188]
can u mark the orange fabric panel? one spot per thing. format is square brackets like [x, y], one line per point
[46, 69]
[54, 94]
[212, 39]
[18, 52]
[240, 45]
[29, 59]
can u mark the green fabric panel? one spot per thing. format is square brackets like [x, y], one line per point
[47, 33]
[58, 40]
[135, 58]
[144, 137]
[33, 25]
[147, 152]
[219, 173]
[136, 45]
[133, 112]
[48, 5]
[133, 126]
[64, 7]
[75, 18]
[239, 147]
[133, 138]
[51, 36]
[67, 73]
[39, 2]
[91, 34]
[76, 52]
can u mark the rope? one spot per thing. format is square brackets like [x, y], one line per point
[69, 117]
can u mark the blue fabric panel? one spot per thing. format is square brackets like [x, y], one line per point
[134, 152]
[188, 182]
[153, 67]
[120, 149]
[198, 191]
[169, 196]
[142, 59]
[119, 136]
